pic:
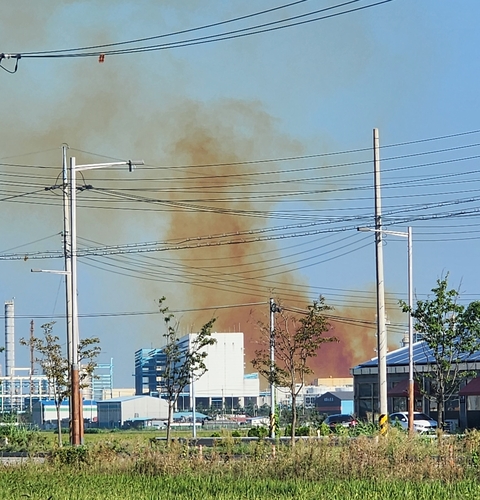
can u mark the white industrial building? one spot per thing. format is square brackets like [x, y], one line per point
[223, 385]
[225, 377]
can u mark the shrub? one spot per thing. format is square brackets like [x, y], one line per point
[304, 430]
[260, 432]
[364, 429]
[65, 430]
[323, 429]
[70, 455]
[18, 438]
[93, 430]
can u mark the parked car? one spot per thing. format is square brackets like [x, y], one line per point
[421, 421]
[159, 425]
[341, 419]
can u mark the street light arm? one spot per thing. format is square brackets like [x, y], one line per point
[75, 396]
[383, 231]
[52, 271]
[95, 166]
[411, 383]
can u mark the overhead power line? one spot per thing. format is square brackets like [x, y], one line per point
[165, 35]
[160, 247]
[106, 49]
[297, 158]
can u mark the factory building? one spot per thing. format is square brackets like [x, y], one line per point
[45, 414]
[22, 388]
[223, 385]
[100, 386]
[462, 408]
[117, 412]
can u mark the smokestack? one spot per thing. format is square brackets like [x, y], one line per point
[9, 338]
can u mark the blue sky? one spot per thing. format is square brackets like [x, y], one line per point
[258, 165]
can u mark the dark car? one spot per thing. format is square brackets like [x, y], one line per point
[341, 419]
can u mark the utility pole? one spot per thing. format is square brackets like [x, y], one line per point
[32, 361]
[411, 382]
[70, 256]
[381, 316]
[273, 309]
[76, 400]
[67, 254]
[411, 392]
[194, 406]
[67, 251]
[74, 368]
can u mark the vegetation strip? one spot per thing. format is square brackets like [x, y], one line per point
[127, 466]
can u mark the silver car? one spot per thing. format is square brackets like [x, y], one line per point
[421, 421]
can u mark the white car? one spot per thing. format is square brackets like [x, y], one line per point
[421, 421]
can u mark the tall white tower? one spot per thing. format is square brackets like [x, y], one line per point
[9, 338]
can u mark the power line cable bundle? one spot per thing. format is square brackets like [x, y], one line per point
[140, 45]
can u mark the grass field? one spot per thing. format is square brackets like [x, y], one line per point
[127, 466]
[59, 485]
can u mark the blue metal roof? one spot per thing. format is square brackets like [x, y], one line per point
[422, 355]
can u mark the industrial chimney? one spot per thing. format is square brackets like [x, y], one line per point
[9, 338]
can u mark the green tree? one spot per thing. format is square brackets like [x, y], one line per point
[183, 363]
[296, 342]
[55, 365]
[452, 333]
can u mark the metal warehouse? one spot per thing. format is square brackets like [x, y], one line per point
[45, 413]
[462, 409]
[115, 412]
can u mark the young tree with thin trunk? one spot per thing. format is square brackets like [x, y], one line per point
[182, 363]
[55, 365]
[451, 333]
[296, 342]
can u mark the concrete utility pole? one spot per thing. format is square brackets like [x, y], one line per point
[194, 406]
[411, 392]
[67, 255]
[411, 382]
[32, 361]
[273, 309]
[75, 338]
[76, 401]
[67, 251]
[70, 272]
[381, 315]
